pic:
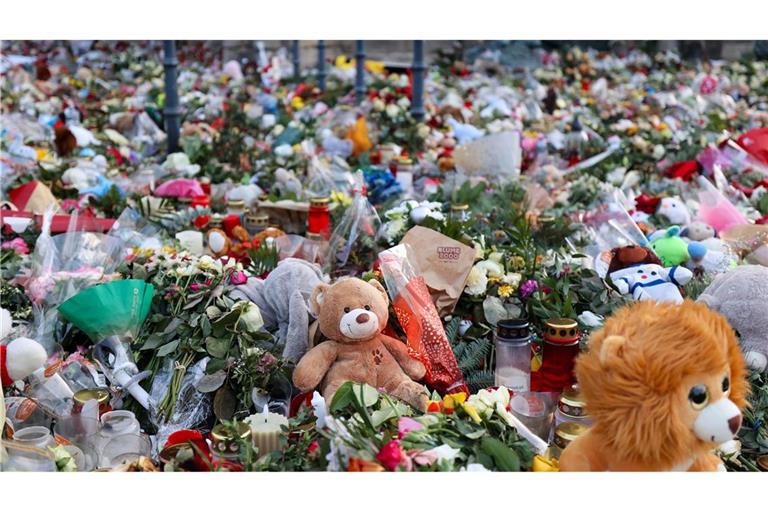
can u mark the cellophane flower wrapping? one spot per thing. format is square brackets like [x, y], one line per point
[418, 317]
[355, 236]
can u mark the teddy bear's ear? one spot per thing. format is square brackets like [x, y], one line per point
[378, 286]
[318, 295]
[612, 349]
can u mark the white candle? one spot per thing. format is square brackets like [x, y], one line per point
[265, 430]
[191, 241]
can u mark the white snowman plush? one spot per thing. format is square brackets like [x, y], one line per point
[675, 210]
[648, 281]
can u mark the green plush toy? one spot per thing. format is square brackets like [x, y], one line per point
[670, 248]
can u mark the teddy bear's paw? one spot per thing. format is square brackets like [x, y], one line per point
[756, 360]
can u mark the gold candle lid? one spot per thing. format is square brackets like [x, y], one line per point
[101, 395]
[236, 203]
[570, 430]
[224, 433]
[315, 237]
[215, 221]
[319, 201]
[561, 330]
[572, 396]
[459, 207]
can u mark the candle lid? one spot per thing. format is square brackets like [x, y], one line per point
[319, 201]
[561, 330]
[572, 396]
[101, 395]
[459, 207]
[236, 203]
[314, 237]
[570, 430]
[223, 432]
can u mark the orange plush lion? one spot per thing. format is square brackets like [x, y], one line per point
[665, 385]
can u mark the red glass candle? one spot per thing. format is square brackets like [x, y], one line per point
[319, 218]
[205, 184]
[231, 222]
[561, 346]
[205, 202]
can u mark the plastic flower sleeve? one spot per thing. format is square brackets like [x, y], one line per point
[715, 209]
[417, 315]
[355, 236]
[610, 226]
[192, 409]
[496, 155]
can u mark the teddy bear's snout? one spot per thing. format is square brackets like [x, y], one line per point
[362, 318]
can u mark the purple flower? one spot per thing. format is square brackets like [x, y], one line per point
[237, 278]
[528, 287]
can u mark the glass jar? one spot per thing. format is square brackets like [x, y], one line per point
[319, 217]
[561, 346]
[236, 207]
[255, 223]
[460, 212]
[404, 174]
[513, 354]
[570, 407]
[225, 444]
[28, 450]
[101, 395]
[565, 433]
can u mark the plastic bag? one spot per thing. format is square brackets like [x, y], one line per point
[496, 155]
[192, 409]
[418, 317]
[354, 236]
[715, 209]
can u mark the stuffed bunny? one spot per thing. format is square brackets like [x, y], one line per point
[741, 295]
[283, 298]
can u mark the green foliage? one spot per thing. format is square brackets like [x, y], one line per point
[264, 258]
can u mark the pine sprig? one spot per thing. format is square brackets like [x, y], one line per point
[264, 259]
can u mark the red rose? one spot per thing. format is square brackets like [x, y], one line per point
[646, 203]
[391, 455]
[685, 170]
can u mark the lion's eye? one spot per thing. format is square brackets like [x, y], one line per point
[698, 396]
[346, 310]
[726, 384]
[367, 307]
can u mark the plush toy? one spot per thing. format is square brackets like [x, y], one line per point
[352, 314]
[698, 231]
[673, 250]
[283, 299]
[664, 385]
[630, 255]
[674, 209]
[741, 295]
[648, 281]
[218, 242]
[19, 359]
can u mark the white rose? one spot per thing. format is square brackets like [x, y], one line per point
[268, 121]
[378, 105]
[392, 110]
[277, 130]
[284, 150]
[590, 319]
[404, 102]
[491, 268]
[422, 131]
[658, 151]
[250, 316]
[477, 281]
[512, 278]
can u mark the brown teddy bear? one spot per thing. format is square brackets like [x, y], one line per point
[665, 385]
[352, 313]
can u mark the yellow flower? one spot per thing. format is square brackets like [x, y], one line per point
[454, 400]
[542, 464]
[506, 290]
[472, 412]
[341, 198]
[297, 102]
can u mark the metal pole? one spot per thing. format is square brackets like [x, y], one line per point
[321, 65]
[296, 61]
[359, 71]
[417, 103]
[171, 112]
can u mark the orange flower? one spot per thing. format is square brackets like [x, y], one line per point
[435, 406]
[361, 465]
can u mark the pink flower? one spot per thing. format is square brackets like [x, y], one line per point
[406, 425]
[391, 456]
[314, 445]
[18, 245]
[196, 287]
[238, 277]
